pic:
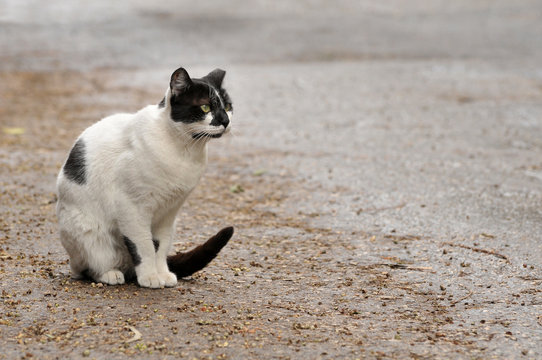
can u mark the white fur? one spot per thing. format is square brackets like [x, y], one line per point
[140, 169]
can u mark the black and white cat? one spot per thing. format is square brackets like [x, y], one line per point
[127, 176]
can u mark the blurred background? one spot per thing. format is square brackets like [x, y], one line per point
[389, 148]
[127, 34]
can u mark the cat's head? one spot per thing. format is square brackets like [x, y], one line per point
[200, 108]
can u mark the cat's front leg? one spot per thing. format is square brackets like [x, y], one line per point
[141, 250]
[162, 238]
[138, 240]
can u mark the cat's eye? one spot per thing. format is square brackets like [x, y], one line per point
[227, 107]
[205, 108]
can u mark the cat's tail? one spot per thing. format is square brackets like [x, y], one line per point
[185, 264]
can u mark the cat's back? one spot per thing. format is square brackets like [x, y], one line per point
[110, 131]
[98, 145]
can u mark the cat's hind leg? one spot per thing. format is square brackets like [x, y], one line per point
[112, 277]
[105, 258]
[94, 252]
[78, 264]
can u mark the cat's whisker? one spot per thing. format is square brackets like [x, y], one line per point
[200, 141]
[193, 143]
[188, 134]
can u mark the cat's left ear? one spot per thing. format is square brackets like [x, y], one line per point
[216, 77]
[180, 81]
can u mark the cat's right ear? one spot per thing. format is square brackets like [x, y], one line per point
[180, 81]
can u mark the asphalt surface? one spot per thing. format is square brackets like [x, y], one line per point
[384, 178]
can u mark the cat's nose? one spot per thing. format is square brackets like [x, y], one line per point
[223, 119]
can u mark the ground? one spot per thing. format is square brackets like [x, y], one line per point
[384, 179]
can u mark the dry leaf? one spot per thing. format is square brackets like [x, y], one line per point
[137, 334]
[13, 130]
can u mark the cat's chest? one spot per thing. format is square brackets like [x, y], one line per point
[183, 176]
[177, 179]
[158, 180]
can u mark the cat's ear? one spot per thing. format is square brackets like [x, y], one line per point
[216, 77]
[180, 81]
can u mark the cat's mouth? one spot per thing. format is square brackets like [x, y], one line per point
[206, 135]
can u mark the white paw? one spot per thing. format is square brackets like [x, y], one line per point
[169, 278]
[151, 281]
[112, 277]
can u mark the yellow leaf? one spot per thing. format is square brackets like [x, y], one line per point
[13, 130]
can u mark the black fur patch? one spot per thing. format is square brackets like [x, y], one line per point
[85, 274]
[156, 244]
[185, 107]
[132, 249]
[225, 98]
[75, 166]
[162, 103]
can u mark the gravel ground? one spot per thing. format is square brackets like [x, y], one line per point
[384, 178]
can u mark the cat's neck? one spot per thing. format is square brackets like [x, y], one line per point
[169, 140]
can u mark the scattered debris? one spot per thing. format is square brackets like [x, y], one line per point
[13, 130]
[236, 189]
[453, 303]
[137, 334]
[489, 252]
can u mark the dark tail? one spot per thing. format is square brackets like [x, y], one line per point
[185, 264]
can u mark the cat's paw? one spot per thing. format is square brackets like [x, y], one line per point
[151, 281]
[169, 278]
[112, 277]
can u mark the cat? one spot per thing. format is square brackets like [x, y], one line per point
[126, 177]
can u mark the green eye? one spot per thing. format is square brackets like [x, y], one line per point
[227, 107]
[205, 108]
